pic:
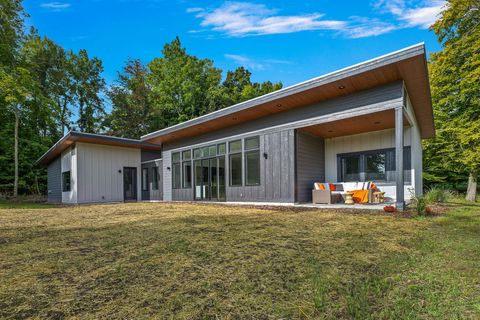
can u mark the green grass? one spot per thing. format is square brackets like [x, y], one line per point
[187, 261]
[24, 205]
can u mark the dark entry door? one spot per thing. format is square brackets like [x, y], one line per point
[129, 184]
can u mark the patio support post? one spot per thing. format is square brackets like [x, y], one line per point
[400, 198]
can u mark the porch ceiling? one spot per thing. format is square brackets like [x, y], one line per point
[361, 124]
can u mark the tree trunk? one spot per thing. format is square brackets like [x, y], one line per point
[472, 187]
[15, 183]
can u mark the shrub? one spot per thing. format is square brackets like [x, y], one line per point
[419, 203]
[438, 195]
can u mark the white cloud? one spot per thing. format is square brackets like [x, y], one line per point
[252, 64]
[243, 19]
[245, 61]
[55, 6]
[240, 19]
[413, 14]
[360, 27]
[193, 10]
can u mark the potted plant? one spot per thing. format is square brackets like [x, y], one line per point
[389, 209]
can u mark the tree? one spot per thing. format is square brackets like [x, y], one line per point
[183, 86]
[130, 101]
[88, 84]
[240, 87]
[12, 76]
[11, 30]
[455, 79]
[14, 93]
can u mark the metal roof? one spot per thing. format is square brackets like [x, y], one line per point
[73, 136]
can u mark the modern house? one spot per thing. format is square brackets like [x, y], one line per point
[361, 123]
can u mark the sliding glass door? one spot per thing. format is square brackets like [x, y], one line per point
[210, 179]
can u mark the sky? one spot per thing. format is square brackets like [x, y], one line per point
[287, 41]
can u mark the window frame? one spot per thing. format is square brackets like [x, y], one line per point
[366, 156]
[390, 164]
[155, 178]
[145, 184]
[231, 155]
[248, 151]
[184, 185]
[67, 187]
[176, 165]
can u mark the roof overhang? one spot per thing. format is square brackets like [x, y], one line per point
[73, 137]
[408, 65]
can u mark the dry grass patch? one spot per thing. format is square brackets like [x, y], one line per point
[158, 260]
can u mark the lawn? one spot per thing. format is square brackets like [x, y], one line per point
[197, 261]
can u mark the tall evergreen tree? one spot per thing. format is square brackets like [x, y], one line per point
[455, 79]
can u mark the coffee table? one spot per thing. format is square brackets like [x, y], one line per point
[349, 197]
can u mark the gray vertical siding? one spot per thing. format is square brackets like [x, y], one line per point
[152, 194]
[279, 180]
[167, 175]
[310, 164]
[148, 155]
[54, 181]
[182, 194]
[277, 172]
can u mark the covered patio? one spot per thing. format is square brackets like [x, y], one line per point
[377, 145]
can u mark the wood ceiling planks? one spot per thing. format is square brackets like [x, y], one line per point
[413, 71]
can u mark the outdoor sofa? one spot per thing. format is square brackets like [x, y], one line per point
[329, 193]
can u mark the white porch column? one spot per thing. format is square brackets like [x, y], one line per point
[400, 197]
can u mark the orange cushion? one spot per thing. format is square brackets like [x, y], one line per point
[360, 196]
[322, 186]
[332, 187]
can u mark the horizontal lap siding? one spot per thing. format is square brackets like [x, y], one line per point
[310, 153]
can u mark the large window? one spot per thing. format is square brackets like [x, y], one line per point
[235, 162]
[176, 175]
[155, 178]
[350, 168]
[145, 179]
[252, 161]
[374, 165]
[187, 169]
[66, 181]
